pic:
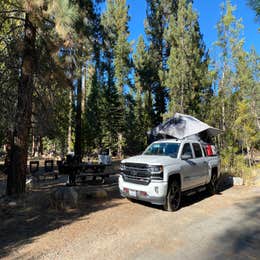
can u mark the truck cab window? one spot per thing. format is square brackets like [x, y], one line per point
[197, 150]
[186, 150]
[166, 149]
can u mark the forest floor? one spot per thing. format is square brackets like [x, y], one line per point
[224, 226]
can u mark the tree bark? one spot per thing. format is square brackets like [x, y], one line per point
[78, 129]
[40, 145]
[33, 145]
[120, 145]
[69, 140]
[19, 146]
[83, 101]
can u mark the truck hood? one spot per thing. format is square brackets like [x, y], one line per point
[151, 159]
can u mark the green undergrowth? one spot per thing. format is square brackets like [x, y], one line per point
[238, 166]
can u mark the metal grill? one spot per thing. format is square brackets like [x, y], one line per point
[137, 173]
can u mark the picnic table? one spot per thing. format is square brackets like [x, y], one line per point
[94, 167]
[84, 171]
[47, 171]
[92, 172]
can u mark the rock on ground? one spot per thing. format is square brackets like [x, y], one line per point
[64, 197]
[237, 181]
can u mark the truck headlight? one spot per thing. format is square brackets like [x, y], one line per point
[156, 168]
[156, 172]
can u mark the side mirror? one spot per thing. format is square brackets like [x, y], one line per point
[186, 156]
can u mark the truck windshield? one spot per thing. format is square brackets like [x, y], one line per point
[166, 149]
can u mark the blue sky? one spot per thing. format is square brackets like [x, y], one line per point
[209, 13]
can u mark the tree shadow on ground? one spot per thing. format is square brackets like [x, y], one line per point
[200, 196]
[242, 239]
[33, 216]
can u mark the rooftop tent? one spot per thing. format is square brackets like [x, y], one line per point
[181, 126]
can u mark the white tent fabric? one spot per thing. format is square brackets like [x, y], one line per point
[181, 126]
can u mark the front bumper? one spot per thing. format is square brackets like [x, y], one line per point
[154, 193]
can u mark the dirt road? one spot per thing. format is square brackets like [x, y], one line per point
[225, 226]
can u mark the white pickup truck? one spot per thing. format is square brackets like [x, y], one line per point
[166, 170]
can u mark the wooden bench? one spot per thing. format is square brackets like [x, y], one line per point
[49, 169]
[93, 176]
[46, 172]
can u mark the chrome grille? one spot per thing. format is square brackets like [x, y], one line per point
[136, 173]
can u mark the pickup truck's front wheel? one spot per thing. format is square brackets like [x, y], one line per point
[173, 198]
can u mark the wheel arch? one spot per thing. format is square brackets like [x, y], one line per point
[175, 176]
[168, 201]
[214, 171]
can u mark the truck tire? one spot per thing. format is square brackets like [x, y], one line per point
[173, 198]
[212, 186]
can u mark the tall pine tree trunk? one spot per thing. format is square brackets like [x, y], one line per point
[40, 146]
[19, 147]
[78, 129]
[120, 145]
[150, 110]
[83, 102]
[223, 112]
[33, 144]
[69, 138]
[121, 124]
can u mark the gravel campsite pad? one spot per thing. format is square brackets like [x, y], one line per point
[224, 226]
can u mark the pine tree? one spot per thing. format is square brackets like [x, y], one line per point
[237, 81]
[10, 31]
[246, 124]
[86, 42]
[253, 91]
[117, 63]
[187, 77]
[230, 44]
[93, 117]
[82, 48]
[122, 64]
[33, 14]
[143, 94]
[244, 128]
[255, 5]
[132, 140]
[158, 14]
